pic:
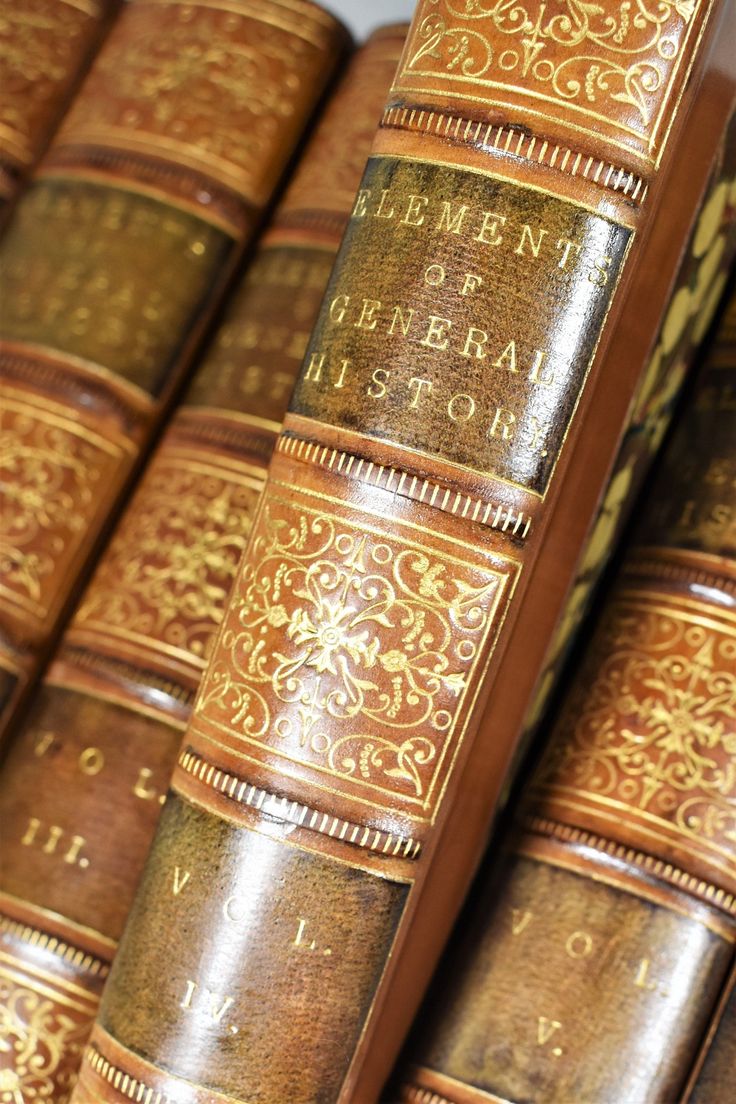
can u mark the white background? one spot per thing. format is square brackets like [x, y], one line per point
[363, 16]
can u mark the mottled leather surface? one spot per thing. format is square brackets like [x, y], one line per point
[392, 612]
[113, 264]
[87, 773]
[593, 966]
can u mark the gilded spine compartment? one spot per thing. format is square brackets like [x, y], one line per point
[460, 404]
[113, 262]
[618, 909]
[108, 718]
[45, 48]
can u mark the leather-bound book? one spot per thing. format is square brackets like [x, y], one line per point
[113, 261]
[45, 47]
[83, 785]
[592, 963]
[510, 254]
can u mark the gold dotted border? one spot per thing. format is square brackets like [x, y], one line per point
[493, 515]
[56, 946]
[123, 1082]
[658, 867]
[519, 143]
[413, 1094]
[236, 789]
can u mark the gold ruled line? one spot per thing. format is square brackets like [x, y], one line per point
[47, 977]
[251, 421]
[38, 408]
[491, 514]
[136, 1089]
[238, 790]
[244, 475]
[530, 147]
[658, 867]
[18, 976]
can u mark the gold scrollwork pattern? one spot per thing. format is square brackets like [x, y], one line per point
[611, 62]
[652, 723]
[218, 90]
[41, 44]
[164, 580]
[40, 1045]
[50, 474]
[350, 649]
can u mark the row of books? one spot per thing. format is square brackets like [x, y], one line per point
[329, 378]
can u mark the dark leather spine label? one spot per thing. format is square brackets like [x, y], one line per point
[77, 758]
[219, 1015]
[108, 276]
[462, 318]
[562, 936]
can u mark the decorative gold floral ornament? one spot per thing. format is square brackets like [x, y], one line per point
[36, 1037]
[168, 571]
[656, 728]
[48, 478]
[349, 649]
[588, 55]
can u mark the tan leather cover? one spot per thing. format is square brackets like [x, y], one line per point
[457, 415]
[114, 261]
[104, 728]
[593, 963]
[45, 48]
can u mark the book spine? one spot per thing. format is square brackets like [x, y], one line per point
[45, 48]
[114, 260]
[105, 725]
[618, 910]
[336, 780]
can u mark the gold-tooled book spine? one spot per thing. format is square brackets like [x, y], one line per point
[45, 48]
[592, 966]
[114, 260]
[104, 728]
[510, 255]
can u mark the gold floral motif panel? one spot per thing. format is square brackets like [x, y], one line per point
[44, 1024]
[43, 44]
[353, 647]
[219, 88]
[611, 71]
[649, 735]
[52, 473]
[163, 582]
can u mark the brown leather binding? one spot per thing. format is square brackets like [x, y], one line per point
[425, 507]
[114, 261]
[97, 750]
[713, 1077]
[45, 48]
[592, 966]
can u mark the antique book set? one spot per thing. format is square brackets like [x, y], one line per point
[329, 380]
